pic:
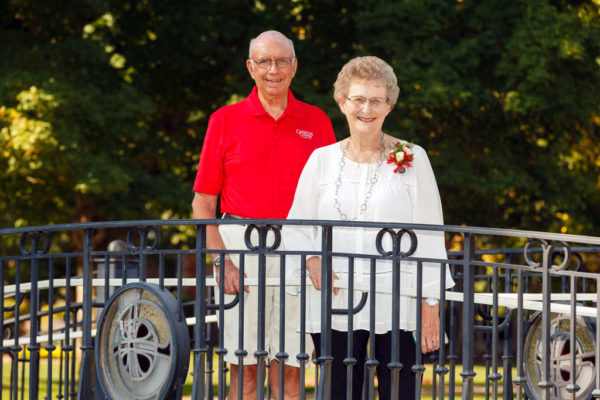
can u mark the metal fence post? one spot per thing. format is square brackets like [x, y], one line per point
[34, 348]
[261, 354]
[545, 384]
[198, 389]
[85, 382]
[324, 389]
[468, 312]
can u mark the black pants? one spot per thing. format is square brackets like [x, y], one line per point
[383, 353]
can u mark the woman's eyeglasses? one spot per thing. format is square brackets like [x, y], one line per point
[375, 102]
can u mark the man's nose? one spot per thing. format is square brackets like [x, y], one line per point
[273, 67]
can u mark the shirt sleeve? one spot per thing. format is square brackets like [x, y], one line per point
[329, 134]
[305, 206]
[427, 209]
[209, 178]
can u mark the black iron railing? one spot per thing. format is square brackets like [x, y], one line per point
[534, 308]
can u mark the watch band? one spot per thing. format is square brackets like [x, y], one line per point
[431, 301]
[217, 260]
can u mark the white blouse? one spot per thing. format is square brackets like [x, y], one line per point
[410, 197]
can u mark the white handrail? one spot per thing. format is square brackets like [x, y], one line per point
[531, 301]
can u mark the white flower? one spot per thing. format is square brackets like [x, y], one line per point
[400, 156]
[408, 151]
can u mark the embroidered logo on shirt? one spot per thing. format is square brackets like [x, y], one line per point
[304, 134]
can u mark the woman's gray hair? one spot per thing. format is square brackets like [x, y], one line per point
[370, 69]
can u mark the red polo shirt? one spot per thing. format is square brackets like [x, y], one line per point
[254, 161]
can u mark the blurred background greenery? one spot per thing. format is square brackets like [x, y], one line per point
[104, 103]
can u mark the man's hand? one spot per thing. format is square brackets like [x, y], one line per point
[430, 328]
[313, 266]
[232, 278]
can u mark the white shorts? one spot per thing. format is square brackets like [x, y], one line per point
[233, 237]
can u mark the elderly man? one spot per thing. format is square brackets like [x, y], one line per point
[252, 156]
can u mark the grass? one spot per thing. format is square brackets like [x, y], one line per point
[479, 381]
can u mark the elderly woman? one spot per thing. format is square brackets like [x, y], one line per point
[353, 180]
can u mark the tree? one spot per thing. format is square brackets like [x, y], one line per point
[104, 103]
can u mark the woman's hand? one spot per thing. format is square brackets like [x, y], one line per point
[313, 266]
[430, 328]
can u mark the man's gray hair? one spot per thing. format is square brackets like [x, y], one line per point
[273, 35]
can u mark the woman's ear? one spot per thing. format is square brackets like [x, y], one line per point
[342, 104]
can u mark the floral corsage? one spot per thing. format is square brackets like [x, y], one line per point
[401, 155]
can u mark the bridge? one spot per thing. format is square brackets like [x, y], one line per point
[525, 315]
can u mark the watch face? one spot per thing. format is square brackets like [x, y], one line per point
[431, 302]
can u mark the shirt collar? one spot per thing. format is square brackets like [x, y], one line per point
[256, 107]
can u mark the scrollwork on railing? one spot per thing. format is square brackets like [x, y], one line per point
[396, 242]
[262, 231]
[551, 250]
[34, 240]
[144, 235]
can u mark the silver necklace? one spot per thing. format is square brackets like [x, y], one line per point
[372, 181]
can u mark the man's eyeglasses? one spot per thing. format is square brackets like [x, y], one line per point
[267, 63]
[375, 102]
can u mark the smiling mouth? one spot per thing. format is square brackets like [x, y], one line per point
[274, 80]
[363, 119]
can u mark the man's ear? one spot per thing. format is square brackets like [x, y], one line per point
[294, 66]
[250, 67]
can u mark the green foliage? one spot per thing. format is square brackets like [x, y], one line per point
[104, 103]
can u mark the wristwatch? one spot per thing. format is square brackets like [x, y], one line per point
[431, 301]
[217, 260]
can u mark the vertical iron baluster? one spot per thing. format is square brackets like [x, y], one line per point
[520, 379]
[442, 370]
[106, 277]
[198, 389]
[324, 388]
[546, 383]
[220, 350]
[372, 363]
[34, 348]
[241, 352]
[487, 356]
[161, 270]
[60, 395]
[260, 352]
[303, 357]
[142, 255]
[16, 349]
[507, 343]
[395, 365]
[67, 348]
[50, 346]
[281, 355]
[494, 377]
[123, 270]
[85, 382]
[350, 360]
[452, 356]
[573, 387]
[179, 285]
[468, 313]
[208, 376]
[419, 368]
[73, 392]
[596, 391]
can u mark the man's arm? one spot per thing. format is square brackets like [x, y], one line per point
[204, 206]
